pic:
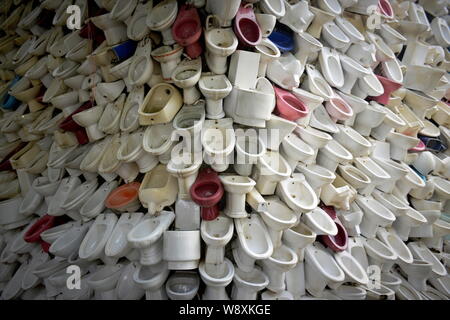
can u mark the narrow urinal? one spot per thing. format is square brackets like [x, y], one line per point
[158, 189]
[146, 236]
[118, 245]
[93, 245]
[246, 250]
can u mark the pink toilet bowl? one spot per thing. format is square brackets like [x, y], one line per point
[289, 106]
[246, 27]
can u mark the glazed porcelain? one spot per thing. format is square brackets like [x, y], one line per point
[218, 141]
[215, 284]
[161, 18]
[151, 279]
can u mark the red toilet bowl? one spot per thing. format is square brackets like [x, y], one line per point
[288, 106]
[339, 241]
[5, 164]
[123, 195]
[385, 8]
[389, 87]
[207, 191]
[419, 148]
[70, 125]
[246, 27]
[45, 222]
[187, 30]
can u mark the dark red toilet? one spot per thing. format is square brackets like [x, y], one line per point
[207, 191]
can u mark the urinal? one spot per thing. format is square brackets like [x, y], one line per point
[161, 18]
[285, 71]
[181, 249]
[215, 284]
[168, 57]
[160, 105]
[218, 141]
[182, 285]
[104, 280]
[316, 84]
[93, 245]
[141, 65]
[351, 140]
[146, 236]
[187, 30]
[214, 88]
[94, 205]
[151, 279]
[320, 270]
[236, 187]
[246, 249]
[70, 241]
[158, 189]
[207, 191]
[271, 168]
[375, 215]
[220, 43]
[246, 27]
[307, 47]
[216, 234]
[420, 251]
[186, 75]
[268, 52]
[129, 119]
[294, 150]
[288, 106]
[404, 223]
[246, 285]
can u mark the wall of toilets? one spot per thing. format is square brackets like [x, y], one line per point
[263, 149]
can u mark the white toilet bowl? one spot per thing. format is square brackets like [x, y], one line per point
[216, 234]
[215, 285]
[246, 285]
[375, 215]
[296, 192]
[151, 279]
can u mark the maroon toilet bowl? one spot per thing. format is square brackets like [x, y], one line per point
[389, 87]
[207, 191]
[289, 106]
[246, 27]
[187, 30]
[338, 242]
[70, 125]
[45, 222]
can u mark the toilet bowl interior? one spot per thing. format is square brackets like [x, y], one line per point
[158, 100]
[255, 238]
[218, 228]
[324, 263]
[249, 29]
[220, 39]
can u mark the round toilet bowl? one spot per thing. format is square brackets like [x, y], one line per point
[351, 267]
[182, 285]
[320, 222]
[288, 106]
[246, 27]
[124, 198]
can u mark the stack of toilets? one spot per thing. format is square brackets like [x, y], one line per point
[215, 150]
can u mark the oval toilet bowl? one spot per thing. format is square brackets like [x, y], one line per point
[206, 191]
[375, 214]
[368, 85]
[339, 241]
[288, 106]
[52, 234]
[417, 271]
[270, 169]
[330, 66]
[160, 105]
[79, 196]
[404, 223]
[246, 285]
[93, 245]
[379, 253]
[152, 279]
[248, 249]
[218, 141]
[215, 284]
[420, 251]
[187, 30]
[277, 129]
[391, 281]
[162, 17]
[268, 51]
[131, 150]
[297, 193]
[392, 240]
[358, 179]
[391, 202]
[147, 237]
[320, 222]
[127, 288]
[216, 234]
[141, 67]
[334, 36]
[275, 267]
[104, 280]
[182, 285]
[188, 124]
[373, 171]
[298, 238]
[352, 71]
[129, 119]
[124, 198]
[157, 140]
[293, 149]
[66, 187]
[320, 270]
[316, 83]
[168, 57]
[186, 75]
[354, 272]
[220, 43]
[352, 141]
[214, 88]
[158, 189]
[370, 118]
[95, 203]
[246, 27]
[349, 292]
[117, 245]
[391, 69]
[316, 138]
[317, 176]
[274, 7]
[277, 217]
[236, 188]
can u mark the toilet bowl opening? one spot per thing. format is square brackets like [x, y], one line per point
[186, 74]
[159, 100]
[220, 38]
[249, 29]
[295, 103]
[340, 239]
[186, 29]
[266, 49]
[385, 8]
[206, 190]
